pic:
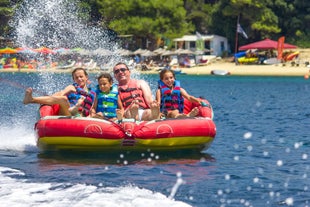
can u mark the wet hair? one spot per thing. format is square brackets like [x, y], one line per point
[107, 76]
[164, 71]
[121, 63]
[77, 69]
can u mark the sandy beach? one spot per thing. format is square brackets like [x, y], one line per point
[224, 65]
[231, 68]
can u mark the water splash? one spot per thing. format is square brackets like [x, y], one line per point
[62, 24]
[57, 24]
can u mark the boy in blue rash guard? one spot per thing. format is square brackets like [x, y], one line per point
[171, 96]
[107, 104]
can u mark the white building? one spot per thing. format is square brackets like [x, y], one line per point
[214, 43]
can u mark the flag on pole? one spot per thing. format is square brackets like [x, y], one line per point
[241, 31]
[199, 36]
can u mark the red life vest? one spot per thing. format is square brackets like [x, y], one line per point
[131, 93]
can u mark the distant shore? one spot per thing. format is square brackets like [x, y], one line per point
[221, 66]
[225, 67]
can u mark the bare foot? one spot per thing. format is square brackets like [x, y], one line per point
[28, 96]
[134, 110]
[80, 101]
[194, 112]
[119, 114]
[155, 110]
[74, 109]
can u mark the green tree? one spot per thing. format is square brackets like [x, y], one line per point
[198, 13]
[6, 12]
[296, 28]
[145, 19]
[256, 18]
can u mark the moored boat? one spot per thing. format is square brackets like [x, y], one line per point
[90, 134]
[220, 72]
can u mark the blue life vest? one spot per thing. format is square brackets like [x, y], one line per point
[107, 102]
[171, 99]
[88, 101]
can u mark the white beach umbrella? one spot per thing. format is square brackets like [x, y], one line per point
[168, 53]
[139, 51]
[148, 53]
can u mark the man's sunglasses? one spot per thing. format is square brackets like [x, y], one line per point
[120, 70]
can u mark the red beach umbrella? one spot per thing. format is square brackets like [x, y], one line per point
[45, 50]
[8, 50]
[265, 45]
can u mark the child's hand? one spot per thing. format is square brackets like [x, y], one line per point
[80, 101]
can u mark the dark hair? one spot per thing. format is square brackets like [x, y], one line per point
[164, 71]
[77, 69]
[121, 63]
[107, 76]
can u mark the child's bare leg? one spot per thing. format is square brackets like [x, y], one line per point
[98, 115]
[181, 116]
[49, 100]
[119, 114]
[173, 114]
[194, 112]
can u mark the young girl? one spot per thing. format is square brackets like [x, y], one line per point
[171, 96]
[107, 104]
[76, 98]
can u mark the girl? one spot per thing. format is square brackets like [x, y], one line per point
[171, 96]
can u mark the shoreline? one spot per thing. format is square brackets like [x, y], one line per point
[226, 67]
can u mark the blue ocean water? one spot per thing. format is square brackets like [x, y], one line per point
[260, 156]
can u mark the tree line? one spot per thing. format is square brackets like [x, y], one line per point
[159, 21]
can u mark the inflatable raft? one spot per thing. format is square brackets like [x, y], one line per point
[83, 133]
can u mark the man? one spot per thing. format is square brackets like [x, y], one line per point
[136, 95]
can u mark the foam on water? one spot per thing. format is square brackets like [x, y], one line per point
[17, 191]
[19, 138]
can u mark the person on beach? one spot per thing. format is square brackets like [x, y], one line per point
[75, 99]
[171, 96]
[107, 104]
[135, 95]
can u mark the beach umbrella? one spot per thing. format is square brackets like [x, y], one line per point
[25, 50]
[265, 45]
[45, 50]
[102, 52]
[168, 53]
[139, 51]
[159, 51]
[184, 51]
[124, 52]
[84, 52]
[148, 53]
[8, 50]
[61, 50]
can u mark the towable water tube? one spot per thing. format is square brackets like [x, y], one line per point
[82, 133]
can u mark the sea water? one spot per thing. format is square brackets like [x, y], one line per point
[260, 155]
